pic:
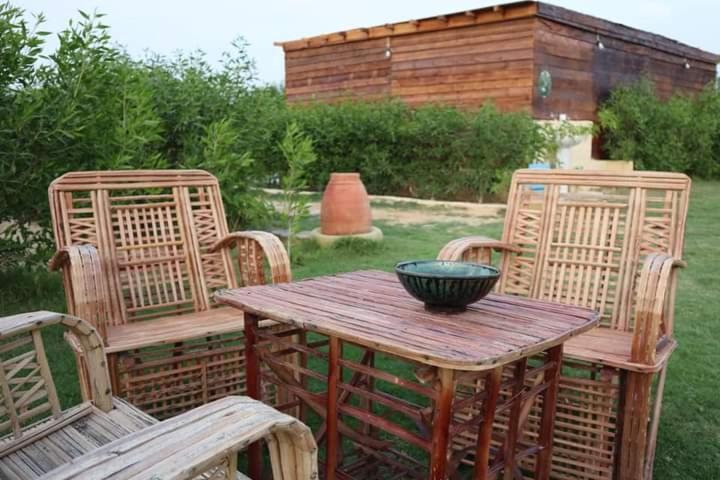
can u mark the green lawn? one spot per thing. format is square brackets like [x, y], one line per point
[689, 443]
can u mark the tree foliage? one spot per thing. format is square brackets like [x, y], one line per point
[88, 105]
[679, 134]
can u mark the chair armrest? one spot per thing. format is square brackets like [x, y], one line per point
[252, 247]
[190, 444]
[85, 288]
[476, 249]
[87, 339]
[652, 308]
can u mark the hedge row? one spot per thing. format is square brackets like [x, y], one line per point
[430, 152]
[680, 134]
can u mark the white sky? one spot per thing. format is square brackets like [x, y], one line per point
[164, 26]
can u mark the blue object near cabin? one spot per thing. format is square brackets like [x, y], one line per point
[538, 166]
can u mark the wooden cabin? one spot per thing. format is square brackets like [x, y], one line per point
[523, 56]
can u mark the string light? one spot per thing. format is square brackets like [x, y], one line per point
[598, 42]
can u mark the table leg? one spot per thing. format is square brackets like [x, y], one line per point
[302, 340]
[370, 385]
[441, 425]
[340, 399]
[332, 437]
[493, 380]
[514, 419]
[252, 383]
[547, 419]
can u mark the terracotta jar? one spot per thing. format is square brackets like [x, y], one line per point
[345, 208]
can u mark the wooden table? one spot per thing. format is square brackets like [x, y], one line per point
[496, 363]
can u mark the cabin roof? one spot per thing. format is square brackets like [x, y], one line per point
[507, 12]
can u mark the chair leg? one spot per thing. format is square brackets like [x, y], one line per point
[606, 407]
[608, 424]
[635, 426]
[654, 425]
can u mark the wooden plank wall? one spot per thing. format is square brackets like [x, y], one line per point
[498, 61]
[583, 74]
[459, 66]
[466, 66]
[328, 73]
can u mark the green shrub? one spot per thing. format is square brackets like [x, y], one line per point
[350, 137]
[89, 106]
[236, 173]
[680, 134]
[430, 152]
[434, 153]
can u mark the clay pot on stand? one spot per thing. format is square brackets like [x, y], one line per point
[345, 211]
[345, 208]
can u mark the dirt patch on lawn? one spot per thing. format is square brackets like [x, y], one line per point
[413, 211]
[427, 211]
[422, 216]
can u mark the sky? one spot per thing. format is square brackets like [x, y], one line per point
[165, 26]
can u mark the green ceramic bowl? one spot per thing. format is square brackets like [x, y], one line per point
[446, 286]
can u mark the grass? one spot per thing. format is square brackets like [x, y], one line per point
[689, 439]
[400, 243]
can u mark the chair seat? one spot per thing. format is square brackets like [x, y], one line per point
[612, 348]
[175, 328]
[79, 430]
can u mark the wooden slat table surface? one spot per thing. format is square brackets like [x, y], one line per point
[371, 308]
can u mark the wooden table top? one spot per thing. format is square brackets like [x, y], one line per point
[372, 309]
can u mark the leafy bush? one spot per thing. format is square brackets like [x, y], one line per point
[219, 155]
[89, 106]
[430, 152]
[680, 134]
[352, 136]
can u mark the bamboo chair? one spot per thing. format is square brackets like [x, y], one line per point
[141, 253]
[612, 242]
[108, 438]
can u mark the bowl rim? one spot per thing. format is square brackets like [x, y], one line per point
[399, 270]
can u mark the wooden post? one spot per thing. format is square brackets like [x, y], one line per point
[340, 399]
[252, 379]
[302, 340]
[370, 385]
[635, 425]
[332, 438]
[441, 424]
[514, 422]
[654, 424]
[620, 420]
[482, 449]
[547, 419]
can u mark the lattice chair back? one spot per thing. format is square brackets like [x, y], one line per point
[584, 235]
[27, 390]
[153, 231]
